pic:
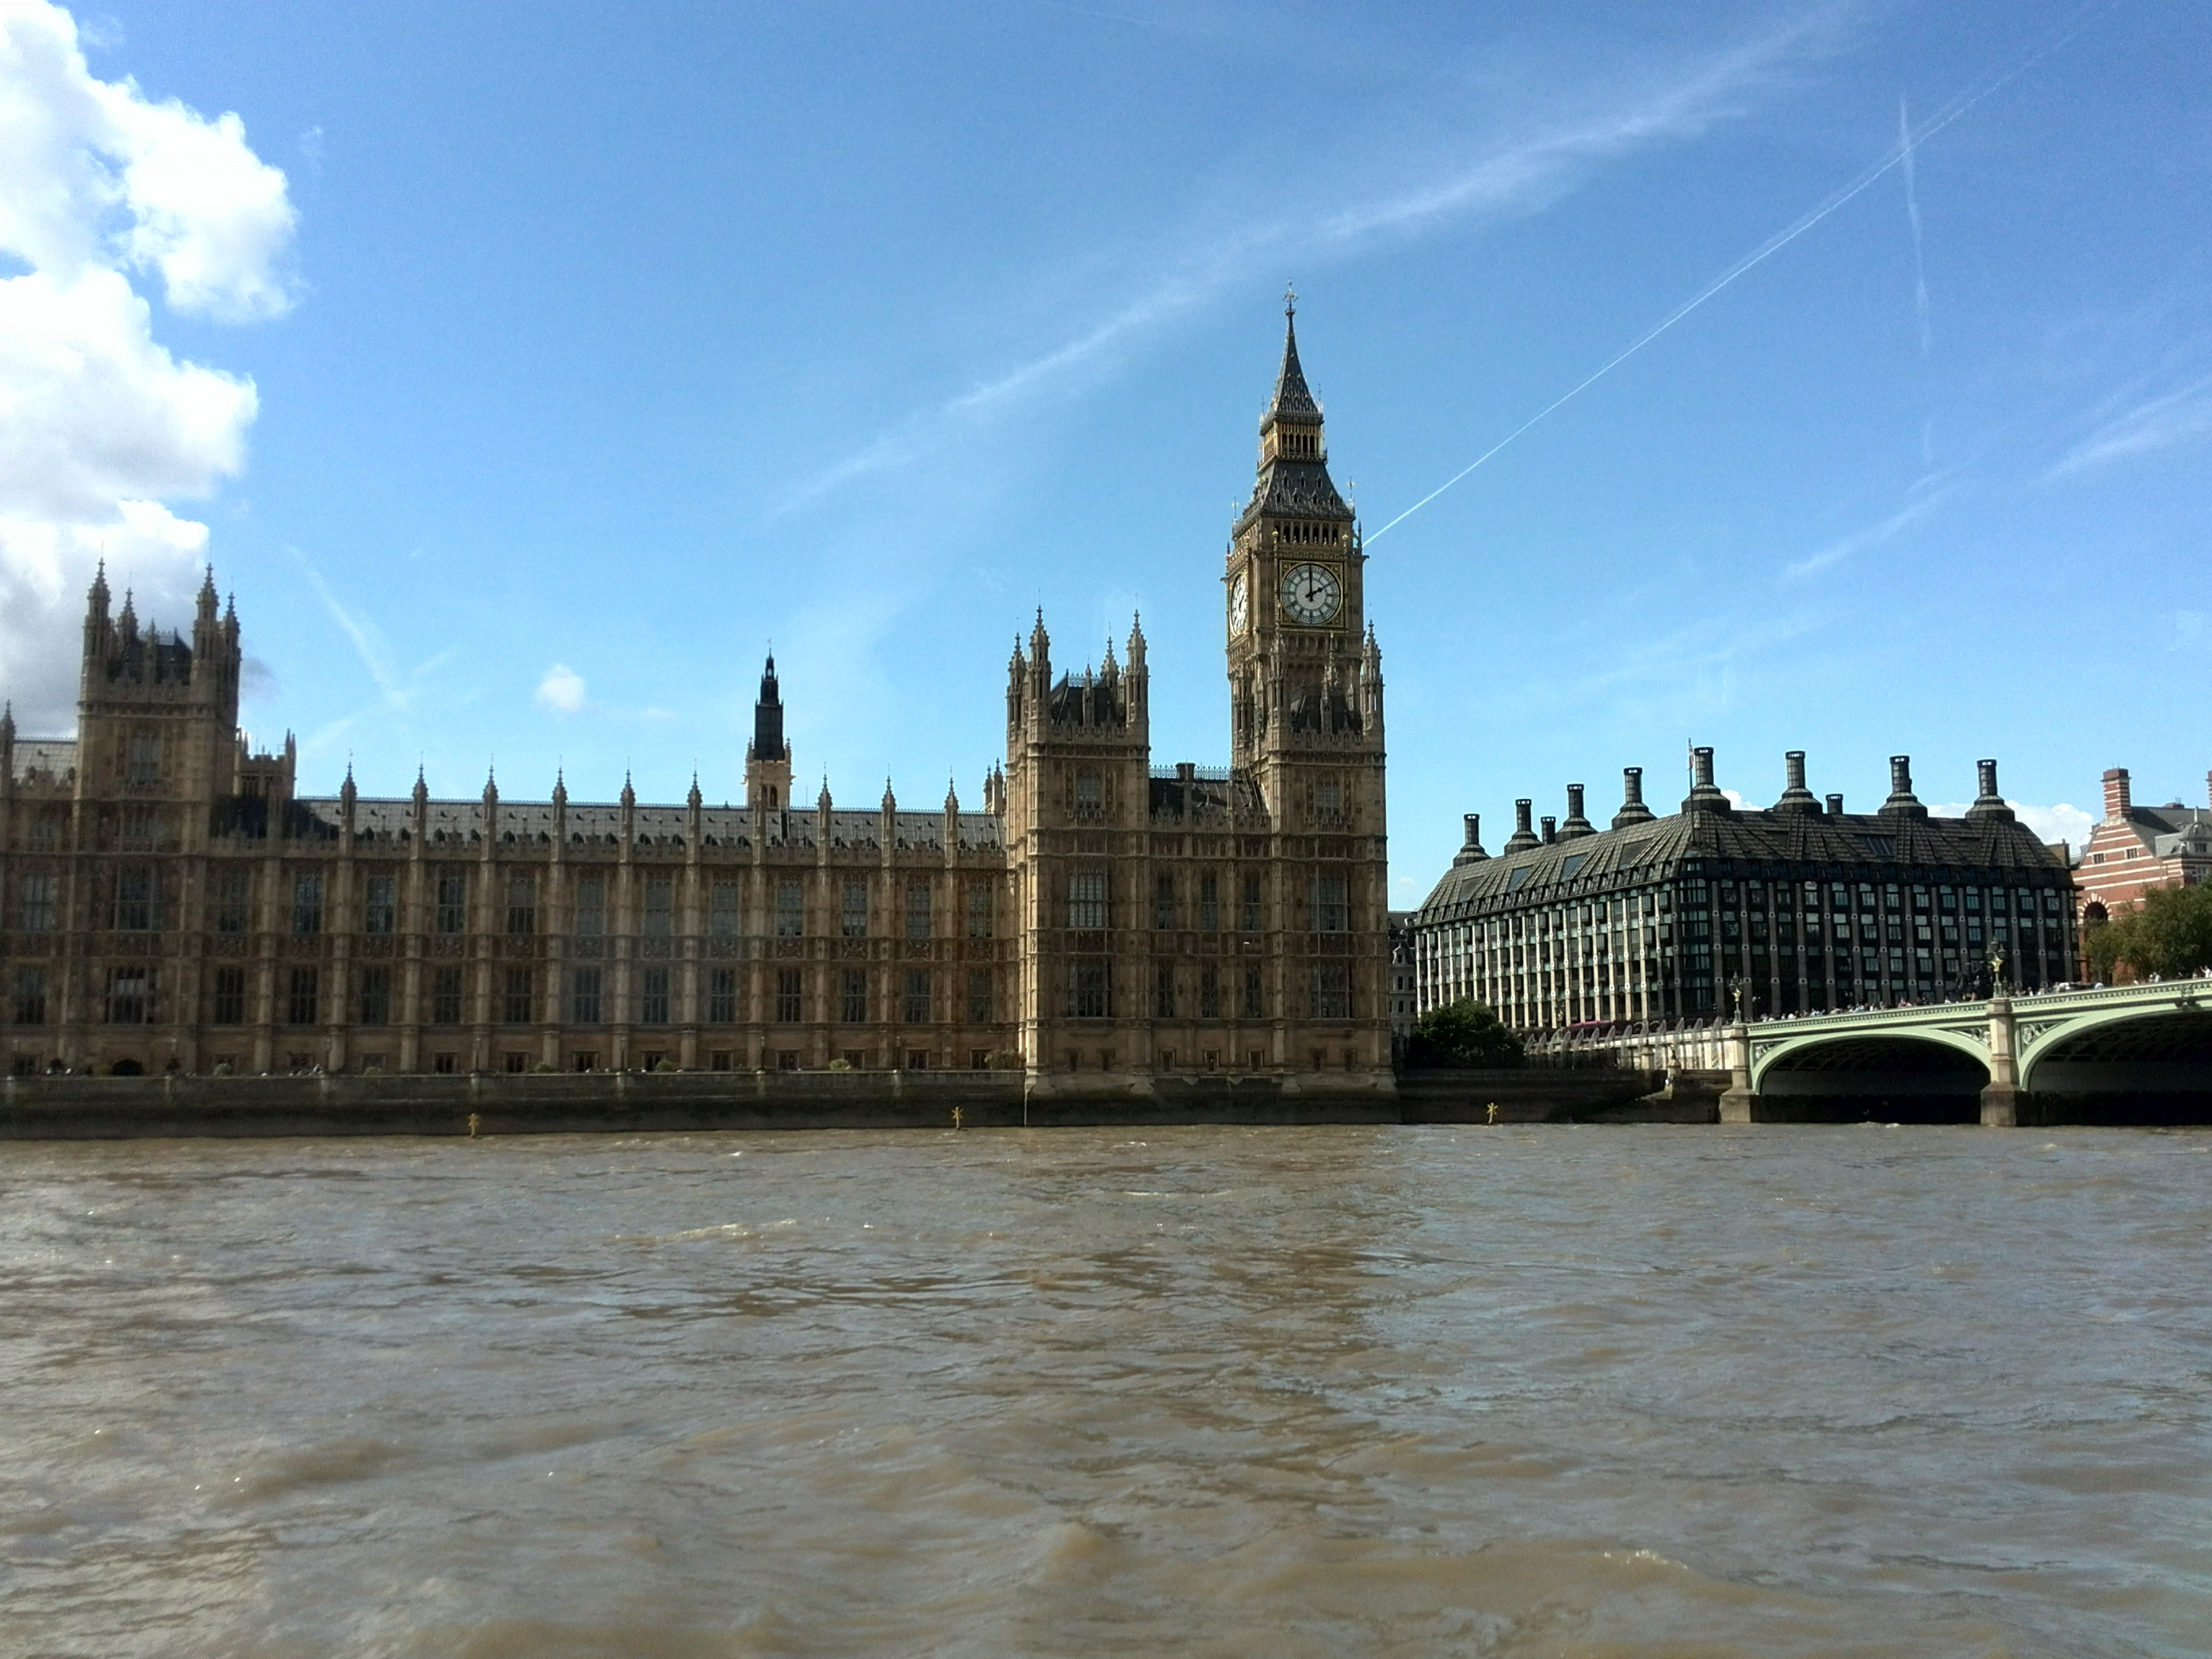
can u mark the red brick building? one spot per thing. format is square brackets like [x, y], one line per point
[2138, 846]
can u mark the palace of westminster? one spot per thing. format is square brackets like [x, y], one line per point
[169, 902]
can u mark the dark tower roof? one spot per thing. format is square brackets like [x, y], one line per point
[1292, 399]
[767, 717]
[1293, 480]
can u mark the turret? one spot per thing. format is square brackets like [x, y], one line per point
[768, 756]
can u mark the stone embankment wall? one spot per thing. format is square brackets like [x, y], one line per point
[81, 1107]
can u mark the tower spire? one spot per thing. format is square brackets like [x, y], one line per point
[1292, 400]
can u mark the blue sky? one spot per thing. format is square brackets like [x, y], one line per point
[530, 369]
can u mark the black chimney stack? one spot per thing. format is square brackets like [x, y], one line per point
[1632, 809]
[1576, 824]
[1902, 802]
[1524, 836]
[1989, 805]
[1471, 849]
[1703, 796]
[1795, 797]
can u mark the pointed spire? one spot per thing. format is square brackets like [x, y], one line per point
[1136, 643]
[693, 800]
[1040, 642]
[890, 800]
[560, 788]
[628, 794]
[1292, 400]
[951, 797]
[129, 620]
[422, 792]
[822, 800]
[207, 601]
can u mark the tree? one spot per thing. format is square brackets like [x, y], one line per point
[1465, 1033]
[2168, 932]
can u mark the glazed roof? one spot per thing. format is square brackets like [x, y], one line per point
[52, 755]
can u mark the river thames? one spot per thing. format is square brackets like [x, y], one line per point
[1543, 1391]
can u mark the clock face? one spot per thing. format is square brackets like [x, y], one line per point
[1240, 603]
[1311, 594]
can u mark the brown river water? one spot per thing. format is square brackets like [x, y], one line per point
[1539, 1391]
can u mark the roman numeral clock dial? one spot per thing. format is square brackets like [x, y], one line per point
[1311, 594]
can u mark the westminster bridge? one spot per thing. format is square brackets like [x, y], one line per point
[2132, 1054]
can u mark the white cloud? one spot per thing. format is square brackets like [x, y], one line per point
[99, 425]
[561, 691]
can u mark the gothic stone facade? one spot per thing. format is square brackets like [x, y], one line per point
[1798, 908]
[168, 900]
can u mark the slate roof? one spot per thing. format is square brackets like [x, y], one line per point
[2173, 829]
[460, 824]
[1788, 845]
[1298, 488]
[1291, 398]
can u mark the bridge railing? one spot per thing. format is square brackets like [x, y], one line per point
[1701, 1044]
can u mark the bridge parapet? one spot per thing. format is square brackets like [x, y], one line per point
[2007, 1037]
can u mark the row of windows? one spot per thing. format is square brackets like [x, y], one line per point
[1840, 898]
[136, 906]
[1090, 991]
[912, 999]
[1089, 906]
[130, 998]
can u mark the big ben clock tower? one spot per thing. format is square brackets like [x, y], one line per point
[1305, 674]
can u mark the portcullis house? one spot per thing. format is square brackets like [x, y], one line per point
[168, 900]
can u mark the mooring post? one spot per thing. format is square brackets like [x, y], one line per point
[2000, 1097]
[1738, 1104]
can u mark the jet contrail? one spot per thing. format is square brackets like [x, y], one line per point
[1912, 218]
[1899, 152]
